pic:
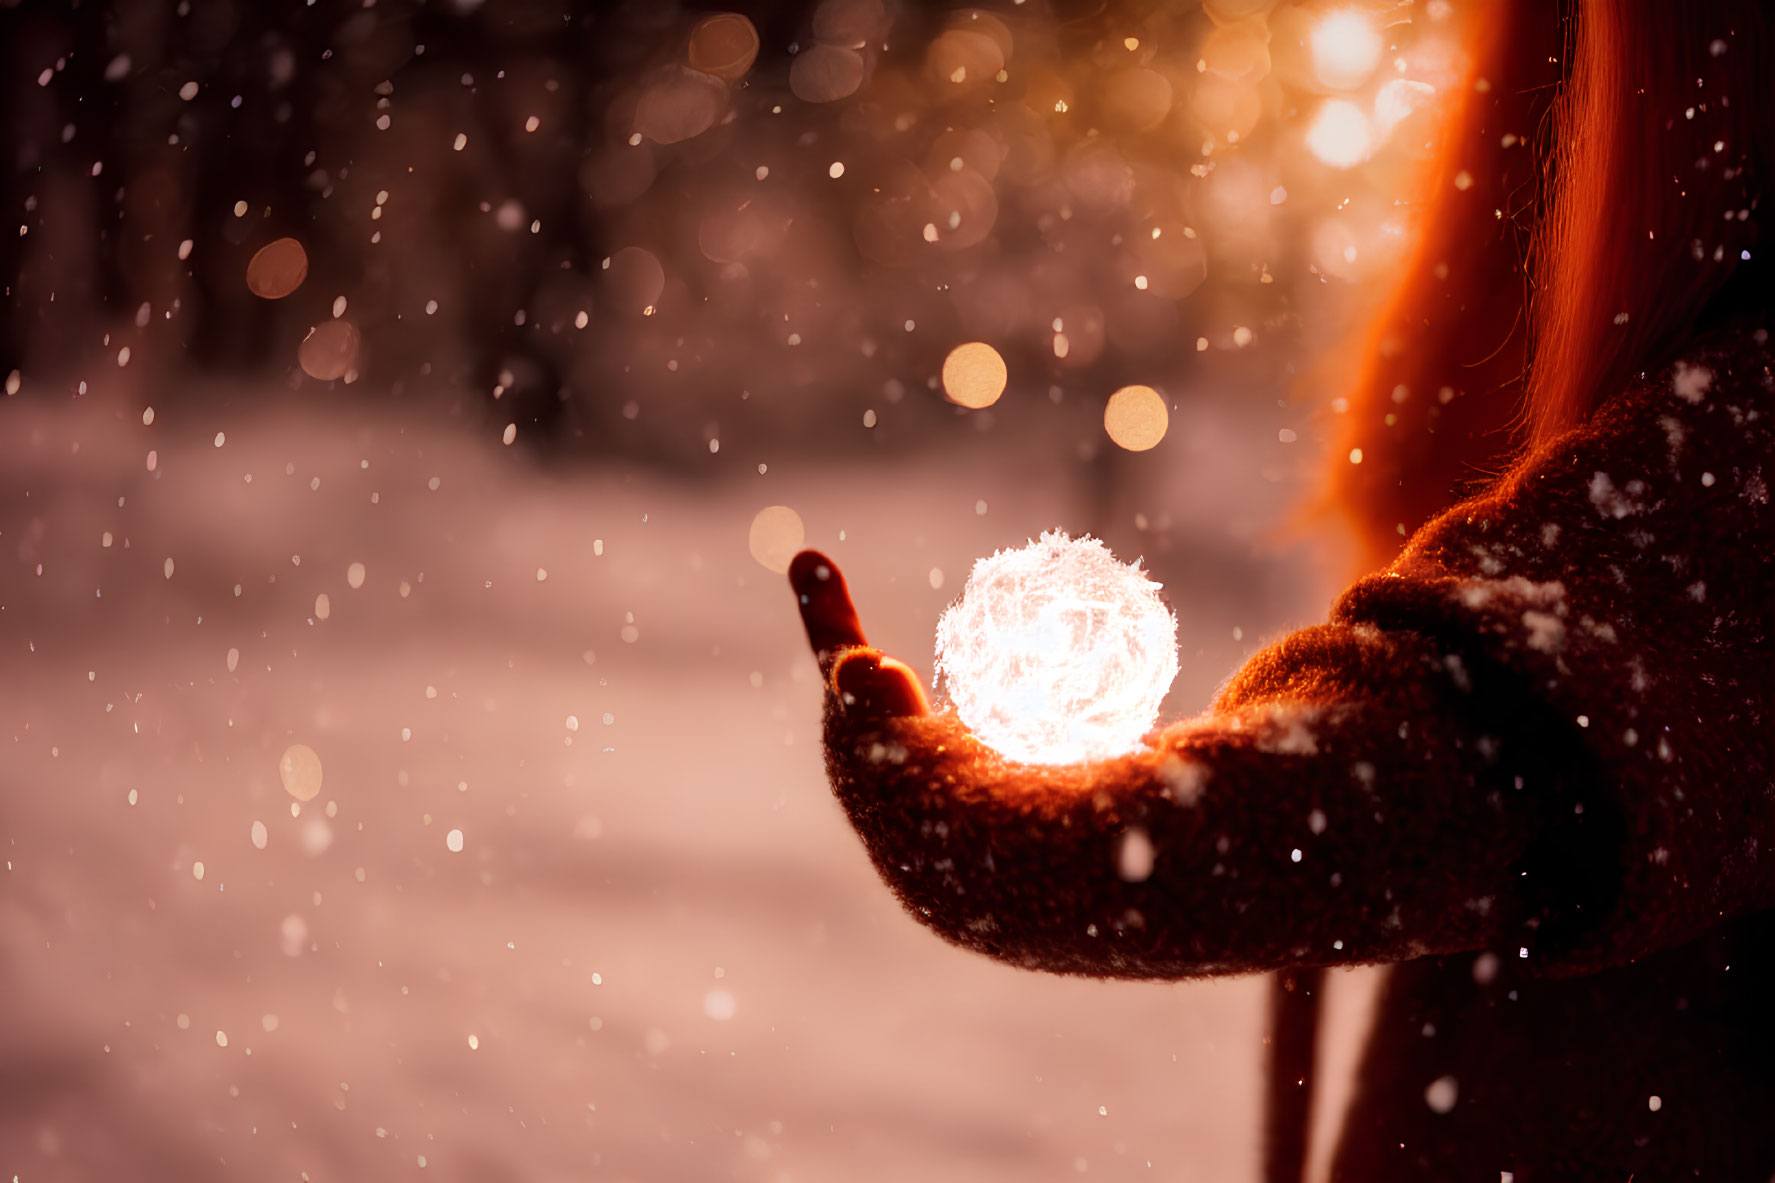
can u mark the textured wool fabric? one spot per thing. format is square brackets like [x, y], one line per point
[1531, 760]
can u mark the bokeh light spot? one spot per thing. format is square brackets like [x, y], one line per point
[1137, 98]
[1340, 134]
[330, 350]
[963, 57]
[277, 269]
[851, 23]
[1136, 417]
[300, 772]
[825, 73]
[974, 375]
[633, 280]
[777, 535]
[720, 1005]
[680, 105]
[1238, 52]
[1346, 49]
[724, 45]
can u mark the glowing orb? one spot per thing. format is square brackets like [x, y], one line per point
[1057, 652]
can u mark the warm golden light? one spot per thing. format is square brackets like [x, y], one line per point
[1346, 49]
[1057, 652]
[1136, 417]
[1340, 134]
[974, 375]
[776, 536]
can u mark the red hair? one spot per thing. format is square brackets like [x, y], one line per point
[1612, 152]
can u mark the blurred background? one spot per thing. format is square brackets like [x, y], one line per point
[409, 409]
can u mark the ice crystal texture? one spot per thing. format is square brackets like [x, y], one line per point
[1057, 652]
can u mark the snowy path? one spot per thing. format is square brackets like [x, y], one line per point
[659, 953]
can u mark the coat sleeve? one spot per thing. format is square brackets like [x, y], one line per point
[1544, 730]
[1340, 805]
[1626, 578]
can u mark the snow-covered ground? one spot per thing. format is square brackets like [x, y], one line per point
[659, 953]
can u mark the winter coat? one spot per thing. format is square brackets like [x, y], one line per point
[1531, 762]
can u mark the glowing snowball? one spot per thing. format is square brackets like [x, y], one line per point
[1057, 652]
